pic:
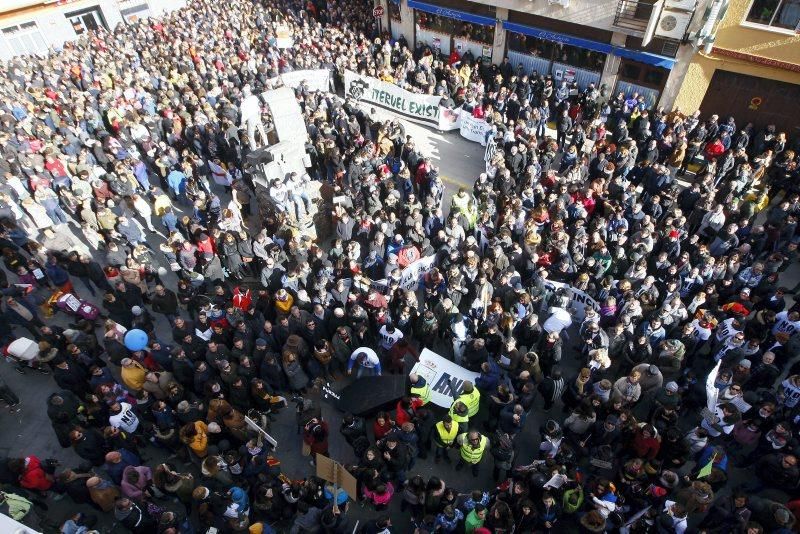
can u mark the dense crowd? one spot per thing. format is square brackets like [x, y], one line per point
[126, 180]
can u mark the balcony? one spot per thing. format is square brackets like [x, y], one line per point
[633, 15]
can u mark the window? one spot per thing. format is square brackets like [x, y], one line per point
[457, 28]
[776, 13]
[394, 11]
[25, 39]
[641, 74]
[560, 52]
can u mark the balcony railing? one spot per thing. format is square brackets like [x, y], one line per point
[633, 14]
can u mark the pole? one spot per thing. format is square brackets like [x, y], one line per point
[335, 487]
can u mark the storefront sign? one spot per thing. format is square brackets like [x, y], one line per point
[442, 376]
[556, 37]
[452, 13]
[578, 299]
[377, 12]
[487, 52]
[413, 106]
[473, 129]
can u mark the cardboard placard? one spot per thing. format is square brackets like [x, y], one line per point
[334, 473]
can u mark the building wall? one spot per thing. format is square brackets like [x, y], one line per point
[734, 34]
[54, 27]
[594, 13]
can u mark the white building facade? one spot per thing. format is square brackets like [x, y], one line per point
[33, 27]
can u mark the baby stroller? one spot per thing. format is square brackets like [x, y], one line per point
[72, 305]
[25, 353]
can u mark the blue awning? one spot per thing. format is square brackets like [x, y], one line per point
[452, 13]
[645, 57]
[549, 35]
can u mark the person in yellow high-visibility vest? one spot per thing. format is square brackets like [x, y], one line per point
[444, 438]
[460, 414]
[472, 446]
[420, 388]
[471, 397]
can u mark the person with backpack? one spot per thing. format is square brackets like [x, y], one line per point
[503, 453]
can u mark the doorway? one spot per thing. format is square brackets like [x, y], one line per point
[89, 19]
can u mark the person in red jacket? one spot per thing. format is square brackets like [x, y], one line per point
[715, 149]
[645, 444]
[31, 474]
[315, 435]
[383, 425]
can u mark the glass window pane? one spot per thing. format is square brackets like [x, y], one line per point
[762, 11]
[17, 45]
[788, 15]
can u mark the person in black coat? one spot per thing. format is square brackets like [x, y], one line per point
[71, 377]
[89, 445]
[130, 294]
[115, 350]
[95, 273]
[552, 387]
[118, 310]
[165, 301]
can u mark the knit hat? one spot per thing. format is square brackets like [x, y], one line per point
[672, 386]
[136, 310]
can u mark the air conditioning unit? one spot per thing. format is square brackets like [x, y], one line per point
[683, 5]
[673, 24]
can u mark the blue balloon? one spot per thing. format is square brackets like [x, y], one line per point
[135, 339]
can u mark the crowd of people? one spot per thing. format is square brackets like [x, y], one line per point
[576, 270]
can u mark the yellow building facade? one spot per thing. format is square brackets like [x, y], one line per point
[753, 71]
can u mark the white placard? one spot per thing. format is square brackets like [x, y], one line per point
[449, 119]
[316, 79]
[473, 129]
[438, 372]
[578, 300]
[409, 277]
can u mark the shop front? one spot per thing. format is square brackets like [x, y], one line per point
[564, 57]
[470, 27]
[643, 72]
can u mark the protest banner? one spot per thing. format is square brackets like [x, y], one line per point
[578, 300]
[473, 129]
[449, 119]
[442, 375]
[409, 277]
[316, 79]
[491, 150]
[412, 106]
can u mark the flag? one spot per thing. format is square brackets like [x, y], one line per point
[706, 470]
